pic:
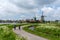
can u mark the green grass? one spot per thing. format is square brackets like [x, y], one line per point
[6, 33]
[49, 31]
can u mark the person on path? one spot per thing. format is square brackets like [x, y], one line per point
[19, 27]
[14, 27]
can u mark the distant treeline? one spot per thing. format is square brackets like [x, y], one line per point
[27, 21]
[9, 21]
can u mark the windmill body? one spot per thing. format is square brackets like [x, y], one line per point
[42, 18]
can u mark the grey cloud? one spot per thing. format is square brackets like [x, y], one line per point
[57, 3]
[23, 4]
[12, 7]
[26, 4]
[44, 2]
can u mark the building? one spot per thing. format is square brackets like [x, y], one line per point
[42, 18]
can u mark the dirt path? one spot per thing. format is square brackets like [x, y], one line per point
[27, 35]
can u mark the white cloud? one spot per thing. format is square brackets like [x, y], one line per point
[12, 8]
[47, 9]
[51, 13]
[57, 12]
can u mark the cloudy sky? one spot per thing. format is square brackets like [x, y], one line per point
[27, 9]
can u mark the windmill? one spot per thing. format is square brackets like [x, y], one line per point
[42, 17]
[35, 17]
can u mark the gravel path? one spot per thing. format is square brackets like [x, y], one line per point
[27, 35]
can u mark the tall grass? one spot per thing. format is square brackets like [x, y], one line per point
[49, 31]
[6, 33]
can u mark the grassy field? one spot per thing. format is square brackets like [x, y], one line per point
[49, 31]
[6, 33]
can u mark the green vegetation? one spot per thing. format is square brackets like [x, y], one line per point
[6, 33]
[49, 31]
